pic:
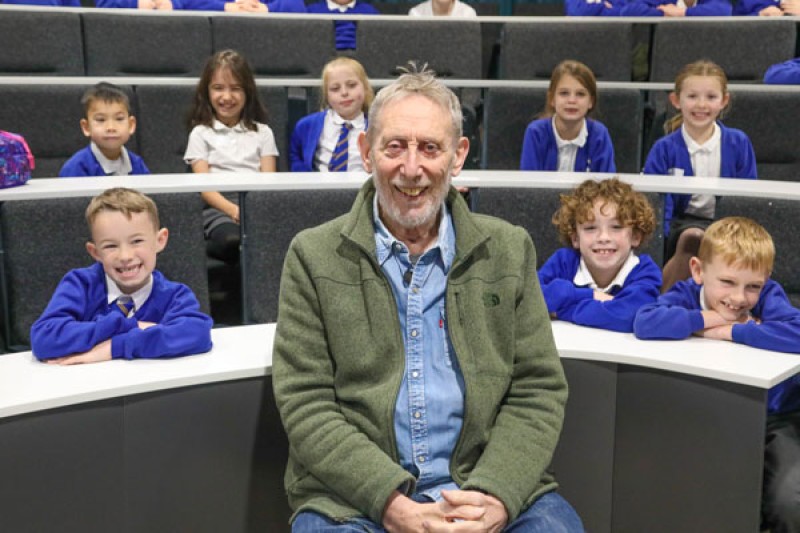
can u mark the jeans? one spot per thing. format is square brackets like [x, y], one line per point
[549, 514]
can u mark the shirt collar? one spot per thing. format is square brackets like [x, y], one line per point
[386, 243]
[219, 126]
[139, 297]
[333, 6]
[578, 141]
[709, 146]
[108, 165]
[357, 123]
[584, 278]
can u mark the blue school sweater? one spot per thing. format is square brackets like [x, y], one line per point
[345, 29]
[576, 304]
[677, 314]
[540, 151]
[751, 8]
[786, 73]
[738, 160]
[84, 163]
[79, 317]
[703, 8]
[305, 140]
[592, 8]
[276, 6]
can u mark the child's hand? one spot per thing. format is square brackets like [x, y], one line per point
[146, 4]
[771, 11]
[791, 7]
[601, 296]
[233, 211]
[671, 10]
[722, 333]
[163, 5]
[101, 352]
[144, 325]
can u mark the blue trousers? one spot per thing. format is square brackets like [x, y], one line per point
[549, 514]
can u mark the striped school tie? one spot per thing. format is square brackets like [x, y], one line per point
[340, 152]
[126, 305]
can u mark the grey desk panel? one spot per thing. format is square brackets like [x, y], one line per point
[689, 453]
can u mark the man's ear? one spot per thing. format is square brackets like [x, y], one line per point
[161, 239]
[92, 249]
[364, 147]
[696, 267]
[462, 149]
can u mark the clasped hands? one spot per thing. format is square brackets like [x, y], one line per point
[460, 510]
[100, 352]
[718, 327]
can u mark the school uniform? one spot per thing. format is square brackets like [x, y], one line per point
[460, 9]
[314, 137]
[752, 8]
[83, 313]
[345, 29]
[90, 161]
[593, 8]
[786, 73]
[568, 290]
[58, 3]
[540, 148]
[130, 4]
[670, 156]
[276, 6]
[702, 8]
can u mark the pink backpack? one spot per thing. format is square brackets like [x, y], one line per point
[16, 160]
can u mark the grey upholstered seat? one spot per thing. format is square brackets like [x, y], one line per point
[451, 47]
[141, 45]
[743, 48]
[272, 219]
[508, 110]
[265, 42]
[48, 116]
[531, 51]
[41, 44]
[59, 232]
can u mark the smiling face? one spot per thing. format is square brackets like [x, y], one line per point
[109, 125]
[127, 248]
[227, 96]
[344, 92]
[730, 290]
[571, 101]
[413, 158]
[700, 101]
[604, 242]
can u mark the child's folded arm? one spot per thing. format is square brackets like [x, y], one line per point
[666, 321]
[779, 327]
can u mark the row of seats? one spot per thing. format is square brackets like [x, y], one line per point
[48, 116]
[271, 220]
[109, 44]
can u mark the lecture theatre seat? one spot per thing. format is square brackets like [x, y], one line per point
[48, 116]
[143, 45]
[297, 48]
[41, 44]
[59, 230]
[530, 51]
[509, 110]
[272, 219]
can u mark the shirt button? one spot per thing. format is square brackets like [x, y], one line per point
[414, 374]
[421, 459]
[416, 414]
[414, 333]
[415, 290]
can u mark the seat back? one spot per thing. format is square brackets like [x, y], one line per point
[531, 51]
[265, 43]
[48, 116]
[48, 237]
[743, 48]
[452, 48]
[44, 44]
[771, 122]
[143, 45]
[272, 219]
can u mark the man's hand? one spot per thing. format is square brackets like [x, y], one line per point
[601, 296]
[101, 352]
[469, 510]
[404, 515]
[671, 10]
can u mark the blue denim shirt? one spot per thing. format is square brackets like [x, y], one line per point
[430, 405]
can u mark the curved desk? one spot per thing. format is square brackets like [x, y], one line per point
[659, 436]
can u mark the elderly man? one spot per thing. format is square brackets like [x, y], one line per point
[414, 366]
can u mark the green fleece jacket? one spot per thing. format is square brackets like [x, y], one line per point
[338, 361]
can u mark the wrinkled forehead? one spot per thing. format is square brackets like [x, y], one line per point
[414, 117]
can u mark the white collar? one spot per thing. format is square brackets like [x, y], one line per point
[219, 126]
[583, 277]
[139, 297]
[333, 6]
[357, 123]
[709, 146]
[578, 141]
[109, 165]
